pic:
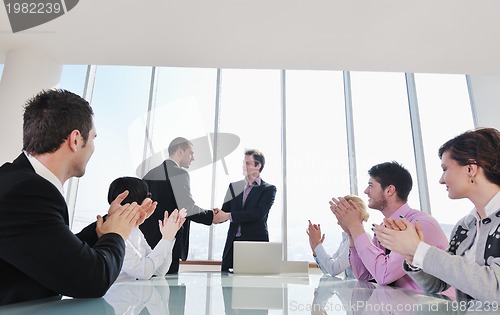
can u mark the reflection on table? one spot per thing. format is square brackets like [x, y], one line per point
[257, 295]
[58, 306]
[352, 297]
[215, 293]
[138, 298]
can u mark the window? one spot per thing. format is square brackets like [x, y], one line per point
[73, 78]
[442, 98]
[317, 158]
[185, 107]
[250, 109]
[382, 128]
[184, 103]
[120, 103]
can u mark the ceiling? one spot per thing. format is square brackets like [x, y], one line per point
[445, 36]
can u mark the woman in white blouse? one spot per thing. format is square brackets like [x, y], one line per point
[142, 262]
[339, 261]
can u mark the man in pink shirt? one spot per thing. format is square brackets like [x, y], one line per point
[388, 189]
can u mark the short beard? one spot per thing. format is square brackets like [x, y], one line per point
[383, 205]
[380, 205]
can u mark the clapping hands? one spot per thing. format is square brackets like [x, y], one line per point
[121, 218]
[170, 225]
[348, 215]
[145, 209]
[400, 236]
[315, 236]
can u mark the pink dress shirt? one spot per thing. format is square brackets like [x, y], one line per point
[369, 259]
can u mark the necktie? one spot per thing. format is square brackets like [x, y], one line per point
[246, 191]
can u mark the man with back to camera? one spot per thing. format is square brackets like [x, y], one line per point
[246, 205]
[39, 255]
[169, 184]
[388, 189]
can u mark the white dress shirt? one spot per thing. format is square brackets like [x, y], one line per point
[338, 262]
[41, 170]
[142, 262]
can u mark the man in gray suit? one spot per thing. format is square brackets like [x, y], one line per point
[169, 185]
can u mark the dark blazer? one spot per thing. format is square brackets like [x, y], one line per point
[39, 255]
[252, 216]
[169, 185]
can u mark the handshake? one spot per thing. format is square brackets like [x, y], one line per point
[220, 216]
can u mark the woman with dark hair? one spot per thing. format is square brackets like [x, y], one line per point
[471, 169]
[142, 262]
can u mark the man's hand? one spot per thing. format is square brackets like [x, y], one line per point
[117, 203]
[146, 208]
[220, 216]
[215, 210]
[348, 215]
[345, 229]
[170, 225]
[315, 237]
[121, 221]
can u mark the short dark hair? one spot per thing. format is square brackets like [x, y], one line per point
[480, 146]
[177, 143]
[50, 117]
[137, 189]
[258, 157]
[393, 173]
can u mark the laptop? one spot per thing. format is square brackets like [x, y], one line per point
[257, 258]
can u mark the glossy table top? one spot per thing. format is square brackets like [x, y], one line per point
[215, 293]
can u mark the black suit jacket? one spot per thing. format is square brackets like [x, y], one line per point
[39, 255]
[169, 185]
[252, 216]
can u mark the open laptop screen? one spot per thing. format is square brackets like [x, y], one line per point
[258, 258]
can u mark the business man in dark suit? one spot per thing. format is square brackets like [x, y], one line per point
[169, 185]
[246, 205]
[39, 255]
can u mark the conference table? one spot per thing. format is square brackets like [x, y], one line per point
[219, 293]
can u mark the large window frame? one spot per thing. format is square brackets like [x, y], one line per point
[357, 171]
